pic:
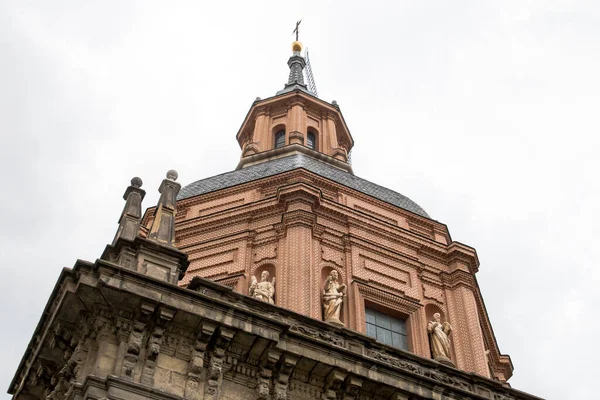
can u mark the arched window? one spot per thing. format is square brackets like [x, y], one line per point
[310, 140]
[280, 139]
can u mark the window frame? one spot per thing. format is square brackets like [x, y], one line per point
[386, 329]
[314, 140]
[280, 133]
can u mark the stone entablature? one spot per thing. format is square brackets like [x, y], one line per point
[110, 332]
[299, 226]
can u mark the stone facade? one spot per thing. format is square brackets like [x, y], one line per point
[109, 332]
[170, 311]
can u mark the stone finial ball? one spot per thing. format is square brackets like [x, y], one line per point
[172, 175]
[136, 182]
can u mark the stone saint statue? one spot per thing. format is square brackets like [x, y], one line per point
[333, 294]
[263, 290]
[439, 339]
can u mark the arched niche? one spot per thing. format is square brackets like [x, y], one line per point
[325, 271]
[431, 309]
[270, 268]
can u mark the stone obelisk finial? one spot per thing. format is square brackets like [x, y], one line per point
[156, 255]
[163, 226]
[129, 223]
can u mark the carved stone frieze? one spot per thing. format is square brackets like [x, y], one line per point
[305, 390]
[414, 368]
[319, 334]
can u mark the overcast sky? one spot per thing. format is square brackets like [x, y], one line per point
[483, 112]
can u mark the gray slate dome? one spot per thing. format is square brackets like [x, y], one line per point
[293, 162]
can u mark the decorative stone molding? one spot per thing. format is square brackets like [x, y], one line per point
[393, 301]
[333, 384]
[219, 359]
[352, 387]
[319, 335]
[419, 370]
[153, 346]
[282, 380]
[214, 373]
[196, 364]
[296, 137]
[265, 374]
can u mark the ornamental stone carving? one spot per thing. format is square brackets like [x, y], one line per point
[263, 290]
[439, 339]
[333, 295]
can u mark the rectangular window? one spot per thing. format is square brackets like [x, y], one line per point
[385, 329]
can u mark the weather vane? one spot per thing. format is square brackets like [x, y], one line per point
[296, 31]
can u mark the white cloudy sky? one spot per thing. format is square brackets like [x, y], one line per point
[483, 112]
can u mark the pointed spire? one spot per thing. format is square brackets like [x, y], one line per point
[296, 64]
[129, 223]
[163, 226]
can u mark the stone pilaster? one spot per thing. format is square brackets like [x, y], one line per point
[298, 221]
[466, 334]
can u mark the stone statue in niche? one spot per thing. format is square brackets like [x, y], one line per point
[333, 294]
[439, 339]
[263, 290]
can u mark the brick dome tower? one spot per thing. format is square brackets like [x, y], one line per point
[286, 278]
[294, 208]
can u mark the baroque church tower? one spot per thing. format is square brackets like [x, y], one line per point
[288, 277]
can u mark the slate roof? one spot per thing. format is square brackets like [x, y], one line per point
[290, 163]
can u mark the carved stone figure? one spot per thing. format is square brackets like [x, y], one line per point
[439, 339]
[263, 290]
[333, 294]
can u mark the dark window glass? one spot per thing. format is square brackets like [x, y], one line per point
[280, 139]
[310, 140]
[385, 329]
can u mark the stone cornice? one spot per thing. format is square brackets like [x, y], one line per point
[444, 253]
[297, 334]
[319, 181]
[285, 151]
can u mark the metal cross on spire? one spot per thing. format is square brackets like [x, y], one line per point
[296, 31]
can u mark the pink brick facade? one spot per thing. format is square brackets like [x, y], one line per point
[299, 226]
